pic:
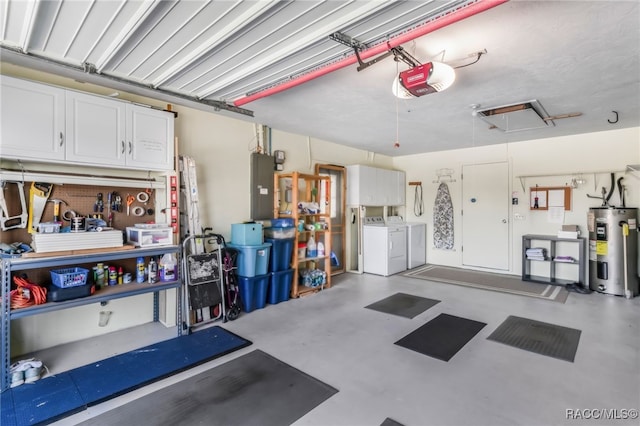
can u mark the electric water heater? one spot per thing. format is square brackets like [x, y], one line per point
[613, 250]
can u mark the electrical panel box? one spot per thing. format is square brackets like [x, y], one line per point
[262, 171]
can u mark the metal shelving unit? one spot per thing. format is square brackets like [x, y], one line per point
[551, 277]
[11, 265]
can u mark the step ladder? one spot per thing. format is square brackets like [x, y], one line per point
[191, 233]
[190, 224]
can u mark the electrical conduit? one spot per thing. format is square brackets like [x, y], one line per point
[448, 19]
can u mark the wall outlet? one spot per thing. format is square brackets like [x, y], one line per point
[518, 216]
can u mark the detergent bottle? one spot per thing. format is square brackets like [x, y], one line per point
[168, 267]
[312, 251]
[320, 249]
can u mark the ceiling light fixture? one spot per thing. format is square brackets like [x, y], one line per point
[423, 79]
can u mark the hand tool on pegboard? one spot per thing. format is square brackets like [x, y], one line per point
[98, 206]
[130, 200]
[11, 222]
[56, 208]
[109, 211]
[38, 196]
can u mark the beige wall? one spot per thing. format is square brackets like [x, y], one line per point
[595, 155]
[222, 149]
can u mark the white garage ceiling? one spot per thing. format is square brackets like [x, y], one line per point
[292, 65]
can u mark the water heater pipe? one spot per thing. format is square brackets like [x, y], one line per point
[448, 19]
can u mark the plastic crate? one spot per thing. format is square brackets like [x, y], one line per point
[69, 277]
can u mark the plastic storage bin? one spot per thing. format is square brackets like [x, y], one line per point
[57, 294]
[252, 260]
[253, 292]
[246, 234]
[147, 237]
[280, 233]
[69, 277]
[281, 251]
[280, 286]
[282, 222]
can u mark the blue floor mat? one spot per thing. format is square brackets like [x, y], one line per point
[54, 397]
[44, 401]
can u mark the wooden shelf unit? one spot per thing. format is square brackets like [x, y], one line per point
[305, 188]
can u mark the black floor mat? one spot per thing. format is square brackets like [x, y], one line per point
[390, 422]
[404, 305]
[442, 337]
[254, 389]
[540, 337]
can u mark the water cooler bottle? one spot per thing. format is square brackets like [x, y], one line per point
[613, 250]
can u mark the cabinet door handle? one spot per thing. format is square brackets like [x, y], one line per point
[122, 143]
[130, 147]
[61, 139]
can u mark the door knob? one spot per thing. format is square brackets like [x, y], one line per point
[504, 220]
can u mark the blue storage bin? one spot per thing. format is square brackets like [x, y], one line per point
[283, 223]
[252, 260]
[246, 234]
[253, 292]
[280, 286]
[281, 251]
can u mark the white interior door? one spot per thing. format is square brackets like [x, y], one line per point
[485, 215]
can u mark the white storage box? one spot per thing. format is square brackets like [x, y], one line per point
[143, 237]
[63, 241]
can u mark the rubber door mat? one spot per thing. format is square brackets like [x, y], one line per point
[540, 337]
[253, 389]
[442, 337]
[404, 305]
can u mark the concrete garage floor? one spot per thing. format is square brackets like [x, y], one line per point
[334, 338]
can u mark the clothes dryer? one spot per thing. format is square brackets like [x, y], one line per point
[416, 240]
[416, 244]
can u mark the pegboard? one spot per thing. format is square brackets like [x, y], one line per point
[81, 199]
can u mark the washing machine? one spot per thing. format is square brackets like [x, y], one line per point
[384, 247]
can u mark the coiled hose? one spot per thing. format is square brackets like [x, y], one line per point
[27, 293]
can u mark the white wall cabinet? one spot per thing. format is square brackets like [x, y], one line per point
[95, 130]
[51, 124]
[372, 186]
[149, 138]
[33, 123]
